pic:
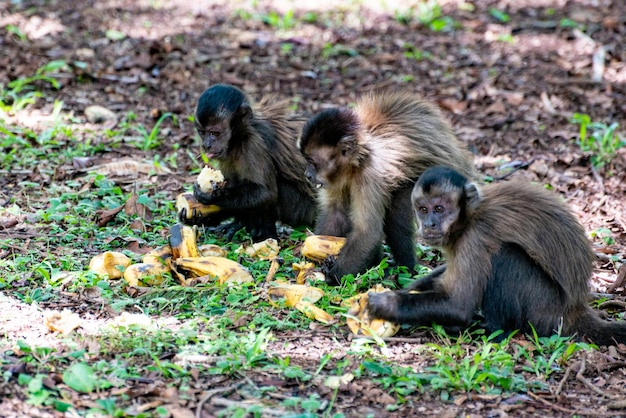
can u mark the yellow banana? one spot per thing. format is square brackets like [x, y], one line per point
[220, 268]
[111, 263]
[182, 240]
[159, 255]
[207, 250]
[314, 312]
[291, 294]
[149, 274]
[192, 208]
[318, 247]
[359, 322]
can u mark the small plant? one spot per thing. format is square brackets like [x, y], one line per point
[21, 92]
[605, 234]
[280, 22]
[150, 139]
[430, 15]
[599, 139]
[548, 354]
[499, 15]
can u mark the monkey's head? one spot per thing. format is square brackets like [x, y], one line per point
[442, 199]
[222, 114]
[329, 143]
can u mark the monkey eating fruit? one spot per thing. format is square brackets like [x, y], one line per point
[513, 250]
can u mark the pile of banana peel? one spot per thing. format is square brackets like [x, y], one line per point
[193, 264]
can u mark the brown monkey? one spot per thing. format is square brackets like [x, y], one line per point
[366, 161]
[263, 170]
[513, 250]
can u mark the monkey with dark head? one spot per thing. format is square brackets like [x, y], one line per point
[256, 152]
[513, 250]
[365, 162]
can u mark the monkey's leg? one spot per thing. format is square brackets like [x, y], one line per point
[333, 221]
[400, 228]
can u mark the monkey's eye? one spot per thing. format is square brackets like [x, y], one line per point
[438, 209]
[214, 133]
[423, 209]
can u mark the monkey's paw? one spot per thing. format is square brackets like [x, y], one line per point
[382, 305]
[204, 197]
[330, 276]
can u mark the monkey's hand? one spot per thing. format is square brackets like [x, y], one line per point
[382, 305]
[327, 268]
[204, 197]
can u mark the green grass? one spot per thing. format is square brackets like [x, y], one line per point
[600, 140]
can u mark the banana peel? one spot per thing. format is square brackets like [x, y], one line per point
[159, 255]
[313, 312]
[301, 297]
[305, 270]
[319, 247]
[182, 241]
[110, 263]
[222, 269]
[264, 250]
[359, 322]
[146, 274]
[212, 250]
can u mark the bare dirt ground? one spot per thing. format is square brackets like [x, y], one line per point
[511, 102]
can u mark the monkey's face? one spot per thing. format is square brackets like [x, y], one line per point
[215, 135]
[436, 216]
[326, 165]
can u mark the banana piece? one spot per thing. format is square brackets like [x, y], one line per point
[145, 274]
[220, 268]
[193, 209]
[318, 247]
[314, 312]
[110, 263]
[210, 179]
[207, 250]
[264, 250]
[291, 294]
[363, 325]
[182, 240]
[159, 255]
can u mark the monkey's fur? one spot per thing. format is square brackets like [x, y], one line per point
[256, 152]
[365, 161]
[513, 250]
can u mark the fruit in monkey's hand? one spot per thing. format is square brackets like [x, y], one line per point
[188, 207]
[210, 179]
[358, 318]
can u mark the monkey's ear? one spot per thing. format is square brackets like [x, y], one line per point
[472, 195]
[245, 111]
[347, 144]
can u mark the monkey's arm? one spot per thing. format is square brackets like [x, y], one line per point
[333, 221]
[237, 195]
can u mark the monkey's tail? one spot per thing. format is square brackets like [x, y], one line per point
[599, 331]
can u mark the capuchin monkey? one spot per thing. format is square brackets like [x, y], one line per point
[365, 162]
[513, 250]
[255, 149]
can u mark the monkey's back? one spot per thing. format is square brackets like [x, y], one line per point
[296, 194]
[406, 135]
[543, 226]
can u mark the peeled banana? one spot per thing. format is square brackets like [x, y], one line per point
[220, 268]
[314, 312]
[182, 241]
[192, 208]
[318, 247]
[210, 179]
[145, 274]
[111, 263]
